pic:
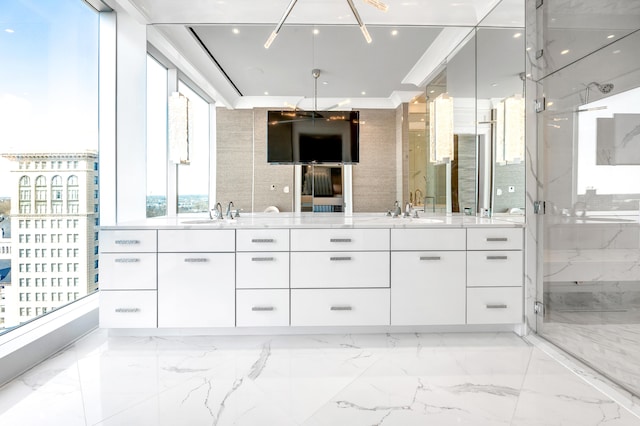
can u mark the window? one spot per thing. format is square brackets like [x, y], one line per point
[157, 96]
[193, 180]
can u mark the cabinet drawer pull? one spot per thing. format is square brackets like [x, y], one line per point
[127, 260]
[127, 241]
[341, 308]
[495, 239]
[496, 306]
[127, 310]
[339, 258]
[340, 240]
[497, 257]
[262, 259]
[196, 259]
[263, 308]
[429, 257]
[263, 240]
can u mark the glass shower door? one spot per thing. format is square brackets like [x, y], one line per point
[590, 233]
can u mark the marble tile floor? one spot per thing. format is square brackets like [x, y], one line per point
[366, 379]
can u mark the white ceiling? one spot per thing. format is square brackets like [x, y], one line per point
[223, 41]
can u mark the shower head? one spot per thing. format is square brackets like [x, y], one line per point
[603, 88]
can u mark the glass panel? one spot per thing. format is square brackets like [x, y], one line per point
[48, 128]
[501, 113]
[193, 178]
[573, 31]
[591, 230]
[156, 138]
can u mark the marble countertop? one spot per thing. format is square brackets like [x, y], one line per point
[320, 220]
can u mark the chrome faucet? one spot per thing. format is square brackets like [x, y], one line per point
[216, 212]
[229, 212]
[407, 210]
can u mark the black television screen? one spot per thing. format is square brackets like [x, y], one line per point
[305, 137]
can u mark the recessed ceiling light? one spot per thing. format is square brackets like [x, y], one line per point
[363, 93]
[494, 85]
[432, 91]
[550, 103]
[266, 93]
[9, 30]
[394, 32]
[325, 82]
[316, 31]
[564, 52]
[611, 36]
[235, 31]
[529, 48]
[422, 119]
[517, 35]
[616, 51]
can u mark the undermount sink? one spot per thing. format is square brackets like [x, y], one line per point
[207, 221]
[425, 220]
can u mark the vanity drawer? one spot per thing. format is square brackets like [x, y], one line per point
[262, 240]
[196, 240]
[491, 305]
[262, 270]
[494, 268]
[128, 271]
[331, 307]
[339, 269]
[129, 241]
[268, 308]
[428, 239]
[494, 239]
[339, 239]
[128, 309]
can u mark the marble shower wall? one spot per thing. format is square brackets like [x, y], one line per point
[584, 68]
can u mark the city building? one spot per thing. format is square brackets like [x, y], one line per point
[54, 225]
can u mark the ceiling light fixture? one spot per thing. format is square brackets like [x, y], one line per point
[375, 3]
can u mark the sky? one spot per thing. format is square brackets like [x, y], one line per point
[48, 78]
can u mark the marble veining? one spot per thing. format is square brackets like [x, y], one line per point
[351, 379]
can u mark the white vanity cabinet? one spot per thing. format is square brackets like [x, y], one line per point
[196, 278]
[340, 276]
[428, 276]
[495, 275]
[128, 279]
[262, 277]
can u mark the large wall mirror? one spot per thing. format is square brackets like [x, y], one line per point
[466, 134]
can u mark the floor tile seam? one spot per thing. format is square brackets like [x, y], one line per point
[524, 379]
[584, 372]
[82, 395]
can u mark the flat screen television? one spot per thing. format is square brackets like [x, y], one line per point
[313, 137]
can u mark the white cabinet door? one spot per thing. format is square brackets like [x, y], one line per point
[262, 270]
[128, 309]
[364, 306]
[428, 288]
[494, 305]
[339, 239]
[428, 239]
[261, 308]
[196, 290]
[339, 269]
[494, 268]
[128, 271]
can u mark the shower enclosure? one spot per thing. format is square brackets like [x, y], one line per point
[588, 151]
